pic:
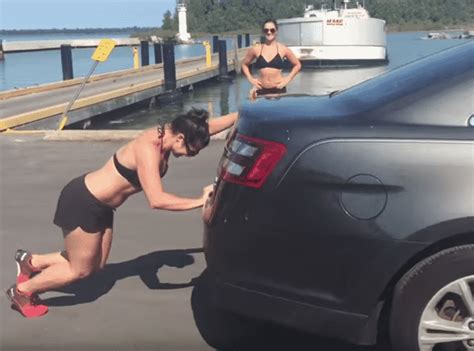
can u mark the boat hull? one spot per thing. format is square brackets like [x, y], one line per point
[343, 56]
[335, 41]
[342, 63]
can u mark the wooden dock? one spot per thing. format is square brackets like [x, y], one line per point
[42, 45]
[41, 107]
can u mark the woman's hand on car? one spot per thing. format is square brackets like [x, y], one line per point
[207, 192]
[206, 209]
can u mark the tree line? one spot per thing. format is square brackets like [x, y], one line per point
[219, 16]
[125, 30]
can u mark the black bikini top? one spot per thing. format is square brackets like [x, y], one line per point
[129, 174]
[132, 175]
[275, 62]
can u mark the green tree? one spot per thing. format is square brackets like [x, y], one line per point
[167, 21]
[217, 16]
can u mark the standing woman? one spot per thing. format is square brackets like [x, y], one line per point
[85, 208]
[269, 61]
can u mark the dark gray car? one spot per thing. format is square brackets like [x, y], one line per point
[350, 215]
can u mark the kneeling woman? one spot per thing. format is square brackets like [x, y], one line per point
[86, 205]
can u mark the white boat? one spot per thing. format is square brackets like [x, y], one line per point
[335, 37]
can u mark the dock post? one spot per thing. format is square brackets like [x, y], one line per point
[145, 53]
[224, 98]
[239, 41]
[158, 53]
[247, 40]
[66, 61]
[223, 69]
[236, 58]
[215, 44]
[169, 66]
[1, 50]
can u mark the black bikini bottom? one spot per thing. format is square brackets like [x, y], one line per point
[265, 91]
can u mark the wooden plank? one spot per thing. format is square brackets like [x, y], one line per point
[102, 135]
[91, 135]
[76, 81]
[199, 73]
[98, 77]
[33, 116]
[40, 45]
[28, 117]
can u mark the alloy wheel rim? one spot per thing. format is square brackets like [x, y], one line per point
[449, 316]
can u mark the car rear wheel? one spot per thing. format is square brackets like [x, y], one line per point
[433, 304]
[221, 329]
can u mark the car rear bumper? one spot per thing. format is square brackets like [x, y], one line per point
[354, 328]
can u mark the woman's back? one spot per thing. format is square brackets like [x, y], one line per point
[107, 184]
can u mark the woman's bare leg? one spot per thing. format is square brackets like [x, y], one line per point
[84, 252]
[44, 261]
[106, 245]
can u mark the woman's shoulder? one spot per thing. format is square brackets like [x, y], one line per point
[150, 135]
[282, 47]
[255, 48]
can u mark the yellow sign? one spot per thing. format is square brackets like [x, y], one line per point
[136, 64]
[103, 50]
[207, 45]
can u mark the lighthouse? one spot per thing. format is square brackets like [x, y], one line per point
[182, 21]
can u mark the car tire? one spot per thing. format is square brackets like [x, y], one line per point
[221, 329]
[415, 296]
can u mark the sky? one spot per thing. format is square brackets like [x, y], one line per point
[46, 14]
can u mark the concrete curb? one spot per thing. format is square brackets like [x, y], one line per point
[91, 135]
[104, 135]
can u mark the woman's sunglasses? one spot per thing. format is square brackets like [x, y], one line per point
[269, 30]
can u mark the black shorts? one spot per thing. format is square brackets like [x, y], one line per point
[77, 207]
[265, 91]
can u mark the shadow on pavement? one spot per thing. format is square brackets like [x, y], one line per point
[146, 267]
[276, 338]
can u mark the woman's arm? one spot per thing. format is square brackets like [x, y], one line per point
[217, 125]
[294, 70]
[147, 158]
[249, 57]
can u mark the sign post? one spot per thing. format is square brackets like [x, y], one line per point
[100, 54]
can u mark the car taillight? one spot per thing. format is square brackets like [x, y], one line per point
[249, 161]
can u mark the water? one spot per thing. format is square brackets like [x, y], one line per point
[223, 97]
[26, 69]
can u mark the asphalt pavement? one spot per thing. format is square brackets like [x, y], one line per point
[141, 300]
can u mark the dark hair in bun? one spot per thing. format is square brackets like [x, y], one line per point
[193, 124]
